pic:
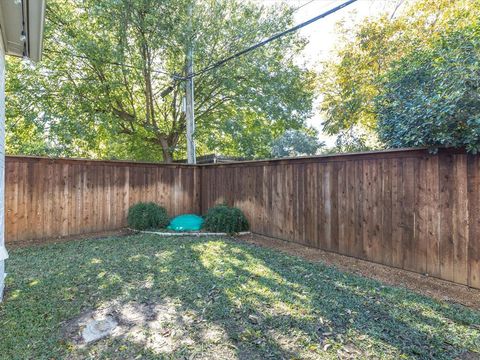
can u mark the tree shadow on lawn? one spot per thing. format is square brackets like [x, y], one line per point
[329, 307]
[259, 303]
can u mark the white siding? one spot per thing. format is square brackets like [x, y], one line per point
[3, 251]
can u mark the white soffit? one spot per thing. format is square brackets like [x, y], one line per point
[27, 16]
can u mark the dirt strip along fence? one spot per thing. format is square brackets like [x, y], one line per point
[51, 198]
[404, 208]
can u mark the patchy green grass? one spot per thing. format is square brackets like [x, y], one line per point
[217, 298]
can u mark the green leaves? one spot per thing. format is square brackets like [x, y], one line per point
[296, 143]
[223, 218]
[412, 80]
[107, 63]
[143, 216]
[431, 97]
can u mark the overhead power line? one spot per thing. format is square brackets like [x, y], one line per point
[223, 61]
[270, 39]
[302, 6]
[113, 63]
[326, 4]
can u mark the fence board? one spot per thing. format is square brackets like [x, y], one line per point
[386, 229]
[432, 232]
[474, 221]
[350, 219]
[460, 220]
[446, 216]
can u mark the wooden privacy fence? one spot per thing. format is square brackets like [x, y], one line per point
[405, 208]
[47, 198]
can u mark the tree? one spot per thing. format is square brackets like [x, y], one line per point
[296, 143]
[431, 97]
[111, 82]
[351, 82]
[349, 86]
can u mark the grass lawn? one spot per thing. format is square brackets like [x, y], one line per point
[216, 298]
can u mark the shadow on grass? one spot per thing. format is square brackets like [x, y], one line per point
[259, 303]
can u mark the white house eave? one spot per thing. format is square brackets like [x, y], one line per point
[22, 23]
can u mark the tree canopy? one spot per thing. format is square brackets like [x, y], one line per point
[412, 79]
[432, 95]
[110, 84]
[112, 81]
[296, 143]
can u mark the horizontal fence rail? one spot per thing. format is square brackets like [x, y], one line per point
[406, 209]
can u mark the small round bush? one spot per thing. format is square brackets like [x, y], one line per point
[222, 218]
[143, 216]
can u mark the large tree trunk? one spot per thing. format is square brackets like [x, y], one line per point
[166, 150]
[167, 156]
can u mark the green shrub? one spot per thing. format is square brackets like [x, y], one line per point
[143, 216]
[222, 218]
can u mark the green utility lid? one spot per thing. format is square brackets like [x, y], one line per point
[188, 222]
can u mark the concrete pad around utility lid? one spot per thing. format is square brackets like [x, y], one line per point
[98, 329]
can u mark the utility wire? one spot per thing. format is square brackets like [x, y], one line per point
[302, 6]
[327, 4]
[114, 63]
[266, 41]
[238, 54]
[293, 11]
[397, 6]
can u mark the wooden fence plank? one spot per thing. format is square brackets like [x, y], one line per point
[421, 216]
[357, 250]
[474, 221]
[312, 203]
[11, 200]
[397, 204]
[342, 213]
[351, 205]
[319, 241]
[386, 247]
[333, 180]
[460, 220]
[432, 232]
[446, 201]
[327, 208]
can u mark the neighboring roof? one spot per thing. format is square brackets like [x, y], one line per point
[22, 19]
[212, 159]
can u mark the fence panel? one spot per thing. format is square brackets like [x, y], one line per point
[407, 209]
[50, 198]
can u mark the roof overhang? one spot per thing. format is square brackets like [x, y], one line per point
[21, 23]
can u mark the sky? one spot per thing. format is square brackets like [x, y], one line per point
[322, 36]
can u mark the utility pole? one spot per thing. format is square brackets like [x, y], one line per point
[189, 95]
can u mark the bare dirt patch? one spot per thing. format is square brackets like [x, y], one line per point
[160, 327]
[156, 326]
[422, 284]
